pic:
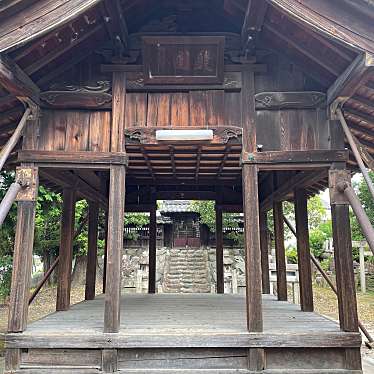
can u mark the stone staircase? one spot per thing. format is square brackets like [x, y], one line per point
[186, 271]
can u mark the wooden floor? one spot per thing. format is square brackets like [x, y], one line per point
[164, 320]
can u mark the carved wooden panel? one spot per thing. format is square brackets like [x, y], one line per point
[183, 60]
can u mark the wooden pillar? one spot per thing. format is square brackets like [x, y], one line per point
[303, 250]
[220, 270]
[22, 265]
[117, 188]
[264, 242]
[256, 358]
[115, 246]
[93, 221]
[345, 283]
[105, 250]
[252, 248]
[66, 250]
[280, 253]
[152, 250]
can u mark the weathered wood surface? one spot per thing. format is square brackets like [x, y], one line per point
[78, 157]
[114, 248]
[152, 250]
[22, 264]
[41, 17]
[264, 242]
[280, 254]
[183, 320]
[16, 81]
[66, 250]
[345, 283]
[296, 156]
[200, 108]
[93, 221]
[303, 250]
[220, 269]
[72, 131]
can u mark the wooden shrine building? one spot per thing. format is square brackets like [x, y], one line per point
[123, 102]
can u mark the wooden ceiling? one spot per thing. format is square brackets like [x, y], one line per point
[48, 38]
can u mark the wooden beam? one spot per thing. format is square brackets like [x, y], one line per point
[280, 253]
[55, 53]
[303, 250]
[40, 18]
[67, 179]
[115, 246]
[93, 221]
[152, 249]
[353, 77]
[220, 269]
[253, 20]
[301, 49]
[301, 179]
[79, 157]
[22, 264]
[116, 22]
[289, 157]
[264, 242]
[66, 250]
[16, 81]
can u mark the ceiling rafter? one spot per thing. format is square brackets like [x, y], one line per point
[327, 66]
[54, 54]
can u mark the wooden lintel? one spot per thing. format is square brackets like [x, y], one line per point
[110, 68]
[290, 100]
[290, 157]
[347, 83]
[221, 135]
[16, 81]
[73, 158]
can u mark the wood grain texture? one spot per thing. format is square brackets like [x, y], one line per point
[172, 320]
[66, 250]
[280, 253]
[220, 269]
[264, 242]
[344, 268]
[93, 220]
[152, 250]
[114, 248]
[303, 250]
[22, 263]
[118, 112]
[252, 248]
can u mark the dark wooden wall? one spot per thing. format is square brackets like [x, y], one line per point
[208, 108]
[74, 130]
[288, 129]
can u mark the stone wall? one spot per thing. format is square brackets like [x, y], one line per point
[183, 270]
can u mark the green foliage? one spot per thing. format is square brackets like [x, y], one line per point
[136, 219]
[5, 275]
[207, 212]
[367, 202]
[291, 254]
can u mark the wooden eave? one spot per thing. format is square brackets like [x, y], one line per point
[311, 33]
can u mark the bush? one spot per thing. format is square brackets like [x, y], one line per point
[5, 276]
[291, 254]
